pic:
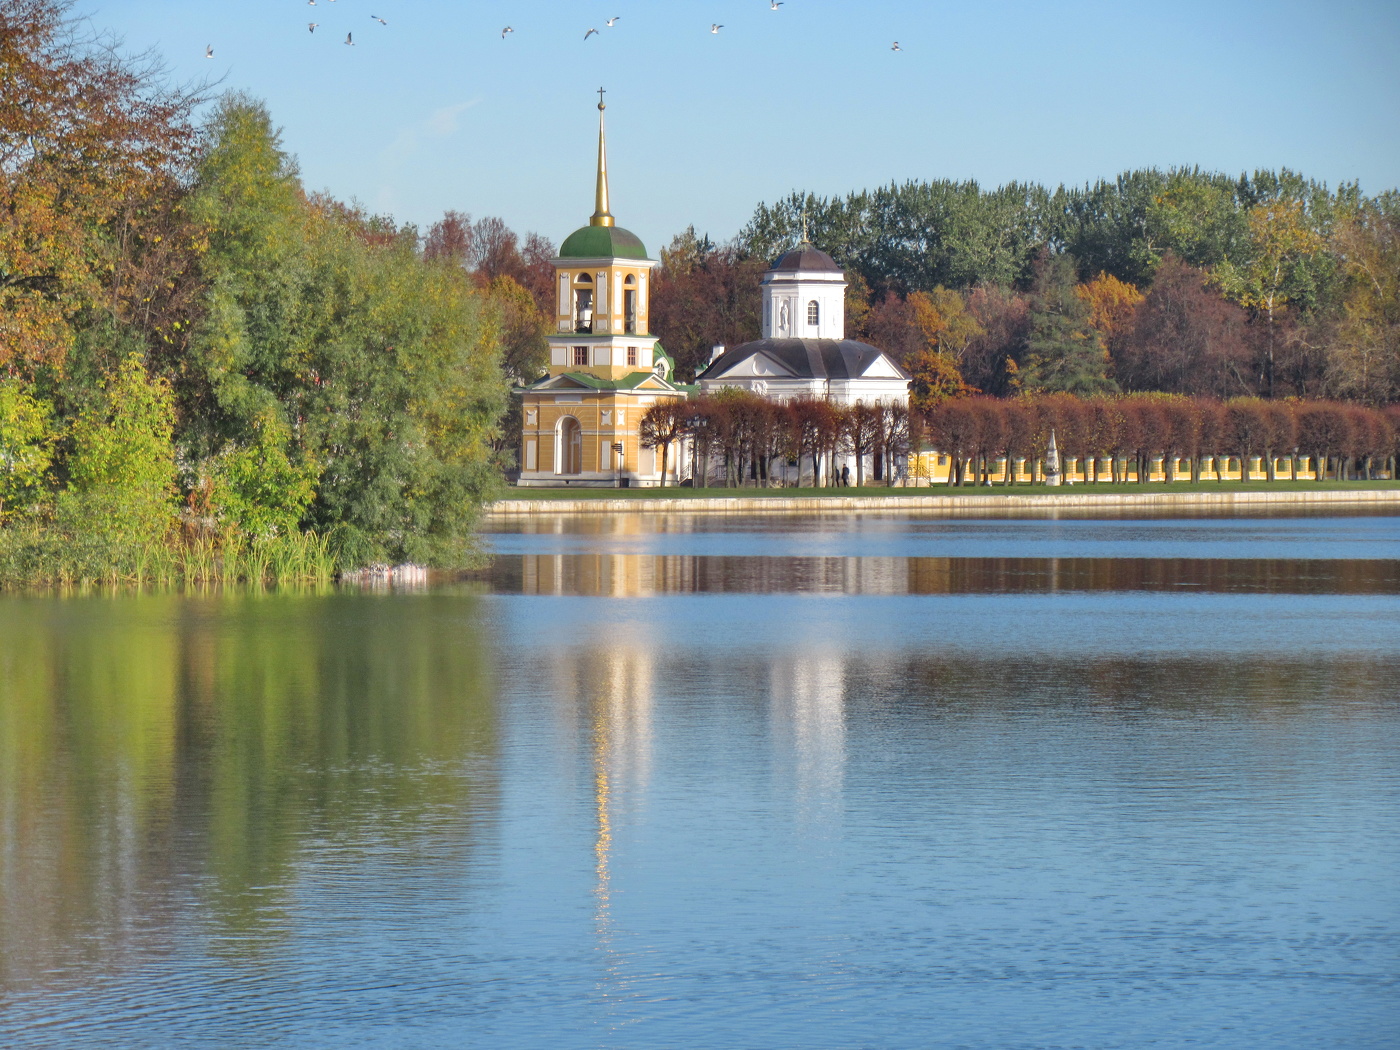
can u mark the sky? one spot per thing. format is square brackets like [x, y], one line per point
[437, 110]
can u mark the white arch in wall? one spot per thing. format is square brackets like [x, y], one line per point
[568, 446]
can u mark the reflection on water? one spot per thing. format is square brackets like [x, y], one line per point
[640, 575]
[184, 764]
[657, 793]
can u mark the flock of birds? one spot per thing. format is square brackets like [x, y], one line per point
[715, 27]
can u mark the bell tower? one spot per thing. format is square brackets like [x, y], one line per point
[602, 278]
[606, 369]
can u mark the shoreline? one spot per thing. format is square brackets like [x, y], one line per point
[969, 501]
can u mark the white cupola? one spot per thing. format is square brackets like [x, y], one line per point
[804, 296]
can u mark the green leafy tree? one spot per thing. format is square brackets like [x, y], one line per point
[26, 446]
[121, 469]
[1065, 354]
[259, 489]
[329, 326]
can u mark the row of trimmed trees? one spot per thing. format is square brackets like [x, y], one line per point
[748, 439]
[744, 437]
[1129, 433]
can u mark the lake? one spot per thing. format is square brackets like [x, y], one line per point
[885, 780]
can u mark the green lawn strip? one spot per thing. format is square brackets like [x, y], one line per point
[1103, 489]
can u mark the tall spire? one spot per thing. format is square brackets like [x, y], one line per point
[601, 215]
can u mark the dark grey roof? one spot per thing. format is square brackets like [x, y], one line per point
[805, 257]
[806, 358]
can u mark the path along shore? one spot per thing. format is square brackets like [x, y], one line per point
[960, 502]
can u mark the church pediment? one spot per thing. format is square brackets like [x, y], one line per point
[882, 368]
[561, 382]
[761, 366]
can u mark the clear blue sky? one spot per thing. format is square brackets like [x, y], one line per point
[437, 111]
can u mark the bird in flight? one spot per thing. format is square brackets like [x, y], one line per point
[895, 46]
[773, 5]
[591, 32]
[612, 21]
[208, 50]
[311, 26]
[310, 3]
[379, 20]
[349, 39]
[715, 27]
[510, 29]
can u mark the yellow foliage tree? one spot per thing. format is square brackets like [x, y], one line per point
[1111, 304]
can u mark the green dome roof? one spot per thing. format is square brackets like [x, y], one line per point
[602, 242]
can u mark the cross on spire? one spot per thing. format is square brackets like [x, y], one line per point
[601, 215]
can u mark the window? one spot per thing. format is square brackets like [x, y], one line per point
[629, 307]
[580, 355]
[583, 303]
[814, 313]
[632, 356]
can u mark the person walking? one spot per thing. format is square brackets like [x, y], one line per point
[846, 476]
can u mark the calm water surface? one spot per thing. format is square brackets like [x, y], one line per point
[717, 782]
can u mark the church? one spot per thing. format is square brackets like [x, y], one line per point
[804, 351]
[606, 369]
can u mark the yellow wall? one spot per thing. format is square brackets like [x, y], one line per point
[598, 415]
[935, 468]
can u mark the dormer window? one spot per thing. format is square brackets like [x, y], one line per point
[814, 313]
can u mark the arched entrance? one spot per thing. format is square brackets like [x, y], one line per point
[568, 446]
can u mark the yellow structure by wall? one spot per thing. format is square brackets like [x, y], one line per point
[935, 468]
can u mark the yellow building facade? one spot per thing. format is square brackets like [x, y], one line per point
[605, 369]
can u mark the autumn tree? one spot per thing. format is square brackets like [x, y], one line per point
[703, 294]
[93, 147]
[1284, 241]
[1183, 338]
[1111, 303]
[1364, 360]
[661, 426]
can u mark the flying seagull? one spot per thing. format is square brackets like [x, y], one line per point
[715, 27]
[507, 29]
[590, 33]
[895, 46]
[311, 26]
[349, 39]
[208, 50]
[379, 20]
[774, 4]
[612, 21]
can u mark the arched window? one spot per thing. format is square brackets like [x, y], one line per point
[629, 304]
[583, 303]
[814, 313]
[568, 447]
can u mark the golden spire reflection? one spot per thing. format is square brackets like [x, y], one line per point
[615, 683]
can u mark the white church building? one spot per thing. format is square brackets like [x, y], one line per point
[804, 351]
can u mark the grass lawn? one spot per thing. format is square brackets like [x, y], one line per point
[1103, 488]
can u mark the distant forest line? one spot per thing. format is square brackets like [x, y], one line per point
[1175, 281]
